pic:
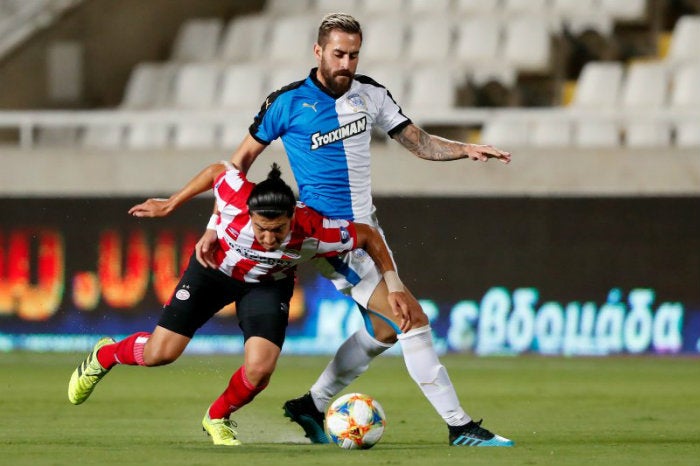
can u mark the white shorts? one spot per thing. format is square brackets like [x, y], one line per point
[353, 273]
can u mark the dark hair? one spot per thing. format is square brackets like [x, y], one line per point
[341, 22]
[273, 197]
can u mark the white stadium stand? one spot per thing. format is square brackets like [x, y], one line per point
[426, 52]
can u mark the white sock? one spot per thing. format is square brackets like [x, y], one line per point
[424, 367]
[351, 360]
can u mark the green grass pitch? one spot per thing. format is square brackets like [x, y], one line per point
[559, 411]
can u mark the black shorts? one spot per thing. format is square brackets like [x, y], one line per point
[262, 308]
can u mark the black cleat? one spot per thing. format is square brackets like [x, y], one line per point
[303, 411]
[472, 434]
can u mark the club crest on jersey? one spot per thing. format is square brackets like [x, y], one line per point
[344, 235]
[353, 128]
[356, 102]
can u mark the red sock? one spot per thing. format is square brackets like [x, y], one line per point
[239, 393]
[128, 351]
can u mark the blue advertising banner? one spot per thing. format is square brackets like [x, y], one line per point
[495, 276]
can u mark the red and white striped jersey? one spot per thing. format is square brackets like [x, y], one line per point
[243, 258]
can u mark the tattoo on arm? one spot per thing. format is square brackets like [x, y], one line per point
[428, 146]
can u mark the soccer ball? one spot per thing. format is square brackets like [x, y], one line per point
[355, 421]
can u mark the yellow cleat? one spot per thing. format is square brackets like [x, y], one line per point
[87, 374]
[221, 431]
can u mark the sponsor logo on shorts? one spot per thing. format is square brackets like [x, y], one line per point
[182, 295]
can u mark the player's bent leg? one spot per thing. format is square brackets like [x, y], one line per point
[87, 374]
[378, 305]
[163, 347]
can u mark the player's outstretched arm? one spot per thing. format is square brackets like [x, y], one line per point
[246, 153]
[369, 239]
[157, 207]
[430, 147]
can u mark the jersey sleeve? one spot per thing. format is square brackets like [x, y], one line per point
[332, 236]
[390, 117]
[272, 119]
[336, 236]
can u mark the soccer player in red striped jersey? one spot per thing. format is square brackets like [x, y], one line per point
[264, 234]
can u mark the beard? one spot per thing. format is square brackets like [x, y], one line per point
[338, 82]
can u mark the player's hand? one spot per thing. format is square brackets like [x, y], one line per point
[154, 207]
[398, 300]
[483, 152]
[205, 248]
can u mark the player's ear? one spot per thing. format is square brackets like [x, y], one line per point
[318, 51]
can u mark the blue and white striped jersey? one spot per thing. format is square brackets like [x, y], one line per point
[327, 140]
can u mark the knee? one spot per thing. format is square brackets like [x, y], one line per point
[259, 373]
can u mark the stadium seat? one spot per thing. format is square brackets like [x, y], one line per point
[686, 87]
[596, 133]
[478, 42]
[430, 40]
[571, 8]
[105, 136]
[374, 8]
[244, 38]
[235, 129]
[684, 41]
[197, 40]
[149, 86]
[688, 133]
[389, 76]
[531, 7]
[334, 6]
[506, 133]
[141, 136]
[428, 7]
[643, 133]
[383, 39]
[527, 44]
[197, 85]
[646, 85]
[281, 76]
[468, 8]
[291, 40]
[598, 22]
[194, 135]
[599, 85]
[629, 11]
[244, 86]
[287, 7]
[551, 133]
[429, 90]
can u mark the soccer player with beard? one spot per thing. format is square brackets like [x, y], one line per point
[325, 122]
